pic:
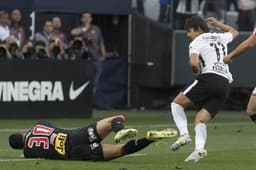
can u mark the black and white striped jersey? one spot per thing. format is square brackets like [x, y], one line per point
[211, 48]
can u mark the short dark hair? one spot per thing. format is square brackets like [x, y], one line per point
[196, 22]
[16, 141]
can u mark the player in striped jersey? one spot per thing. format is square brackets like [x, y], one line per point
[210, 88]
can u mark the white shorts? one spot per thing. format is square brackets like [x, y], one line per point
[254, 92]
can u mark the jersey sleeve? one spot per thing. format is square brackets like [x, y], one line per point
[227, 37]
[194, 47]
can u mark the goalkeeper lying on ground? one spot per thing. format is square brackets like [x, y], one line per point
[47, 141]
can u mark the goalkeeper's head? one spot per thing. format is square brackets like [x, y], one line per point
[16, 140]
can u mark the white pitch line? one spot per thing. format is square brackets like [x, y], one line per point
[137, 154]
[16, 160]
[13, 130]
[20, 160]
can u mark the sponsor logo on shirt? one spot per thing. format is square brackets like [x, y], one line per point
[60, 143]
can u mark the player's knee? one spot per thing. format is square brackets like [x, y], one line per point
[250, 111]
[197, 121]
[175, 106]
[202, 117]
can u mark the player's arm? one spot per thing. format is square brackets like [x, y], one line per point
[194, 63]
[213, 21]
[241, 48]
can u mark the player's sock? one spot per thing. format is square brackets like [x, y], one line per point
[117, 124]
[179, 118]
[253, 118]
[201, 135]
[135, 145]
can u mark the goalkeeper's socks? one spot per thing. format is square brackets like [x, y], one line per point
[117, 124]
[135, 145]
[253, 118]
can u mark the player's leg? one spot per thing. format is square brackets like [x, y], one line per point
[218, 93]
[115, 124]
[177, 109]
[112, 151]
[96, 132]
[195, 93]
[202, 117]
[107, 125]
[209, 109]
[104, 152]
[251, 107]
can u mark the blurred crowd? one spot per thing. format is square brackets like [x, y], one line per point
[238, 13]
[50, 43]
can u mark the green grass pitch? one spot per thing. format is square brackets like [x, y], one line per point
[231, 144]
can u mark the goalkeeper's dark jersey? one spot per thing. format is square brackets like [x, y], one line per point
[46, 141]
